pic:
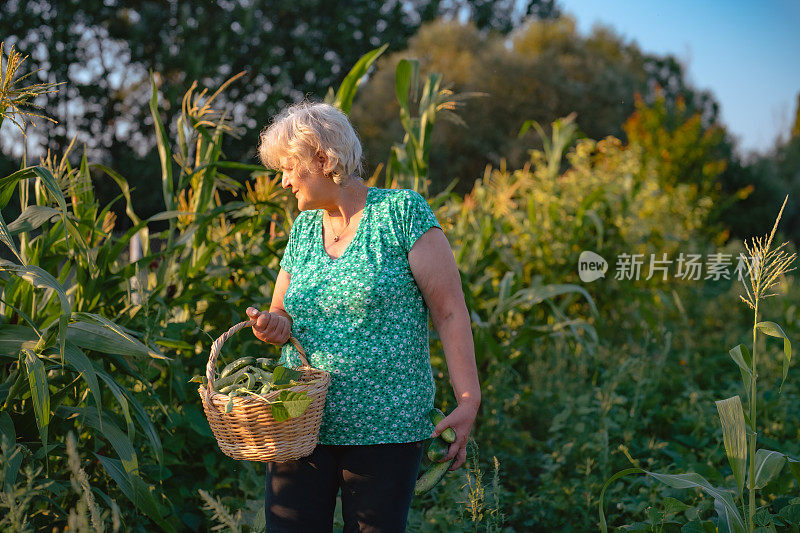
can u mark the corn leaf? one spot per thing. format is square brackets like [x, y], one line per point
[741, 356]
[9, 183]
[8, 435]
[794, 466]
[723, 501]
[768, 465]
[128, 402]
[618, 475]
[727, 522]
[116, 390]
[5, 236]
[113, 434]
[164, 150]
[15, 337]
[78, 360]
[40, 393]
[347, 90]
[11, 453]
[94, 332]
[32, 217]
[403, 82]
[734, 436]
[11, 469]
[124, 187]
[136, 490]
[42, 279]
[774, 330]
[51, 185]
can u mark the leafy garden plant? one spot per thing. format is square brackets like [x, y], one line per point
[84, 327]
[753, 467]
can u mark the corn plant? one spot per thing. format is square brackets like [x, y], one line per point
[67, 364]
[16, 100]
[752, 467]
[408, 161]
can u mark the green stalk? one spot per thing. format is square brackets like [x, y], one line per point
[752, 437]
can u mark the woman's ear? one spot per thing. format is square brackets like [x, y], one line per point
[322, 158]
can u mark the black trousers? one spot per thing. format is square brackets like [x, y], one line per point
[377, 483]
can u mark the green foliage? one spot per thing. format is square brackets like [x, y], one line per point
[549, 71]
[768, 266]
[579, 380]
[287, 49]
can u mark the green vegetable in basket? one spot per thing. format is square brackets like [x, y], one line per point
[229, 405]
[236, 365]
[266, 364]
[230, 379]
[290, 404]
[283, 376]
[249, 376]
[251, 381]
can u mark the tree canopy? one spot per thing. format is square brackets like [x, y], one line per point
[105, 49]
[540, 71]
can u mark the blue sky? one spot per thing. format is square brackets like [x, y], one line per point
[747, 53]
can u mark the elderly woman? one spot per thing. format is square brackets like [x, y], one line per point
[362, 268]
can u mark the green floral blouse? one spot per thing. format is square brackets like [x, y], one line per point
[362, 318]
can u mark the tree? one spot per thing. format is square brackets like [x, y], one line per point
[104, 50]
[541, 71]
[769, 178]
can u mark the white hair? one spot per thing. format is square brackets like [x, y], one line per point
[306, 129]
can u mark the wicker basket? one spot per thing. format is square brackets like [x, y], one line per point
[249, 432]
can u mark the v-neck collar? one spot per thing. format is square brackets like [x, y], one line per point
[321, 230]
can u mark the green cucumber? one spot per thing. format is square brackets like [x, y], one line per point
[266, 377]
[436, 416]
[434, 475]
[437, 450]
[251, 380]
[226, 389]
[236, 365]
[229, 379]
[266, 364]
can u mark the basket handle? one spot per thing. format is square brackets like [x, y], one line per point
[216, 347]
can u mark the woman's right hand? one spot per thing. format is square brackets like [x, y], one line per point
[270, 327]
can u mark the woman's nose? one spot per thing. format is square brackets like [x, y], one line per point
[284, 180]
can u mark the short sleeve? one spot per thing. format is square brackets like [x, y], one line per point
[287, 261]
[416, 218]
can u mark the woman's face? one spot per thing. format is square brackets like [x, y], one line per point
[307, 182]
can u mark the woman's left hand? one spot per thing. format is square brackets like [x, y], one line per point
[461, 420]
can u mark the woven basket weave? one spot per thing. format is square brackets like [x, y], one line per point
[249, 432]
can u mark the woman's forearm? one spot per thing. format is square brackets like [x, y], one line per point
[281, 285]
[459, 350]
